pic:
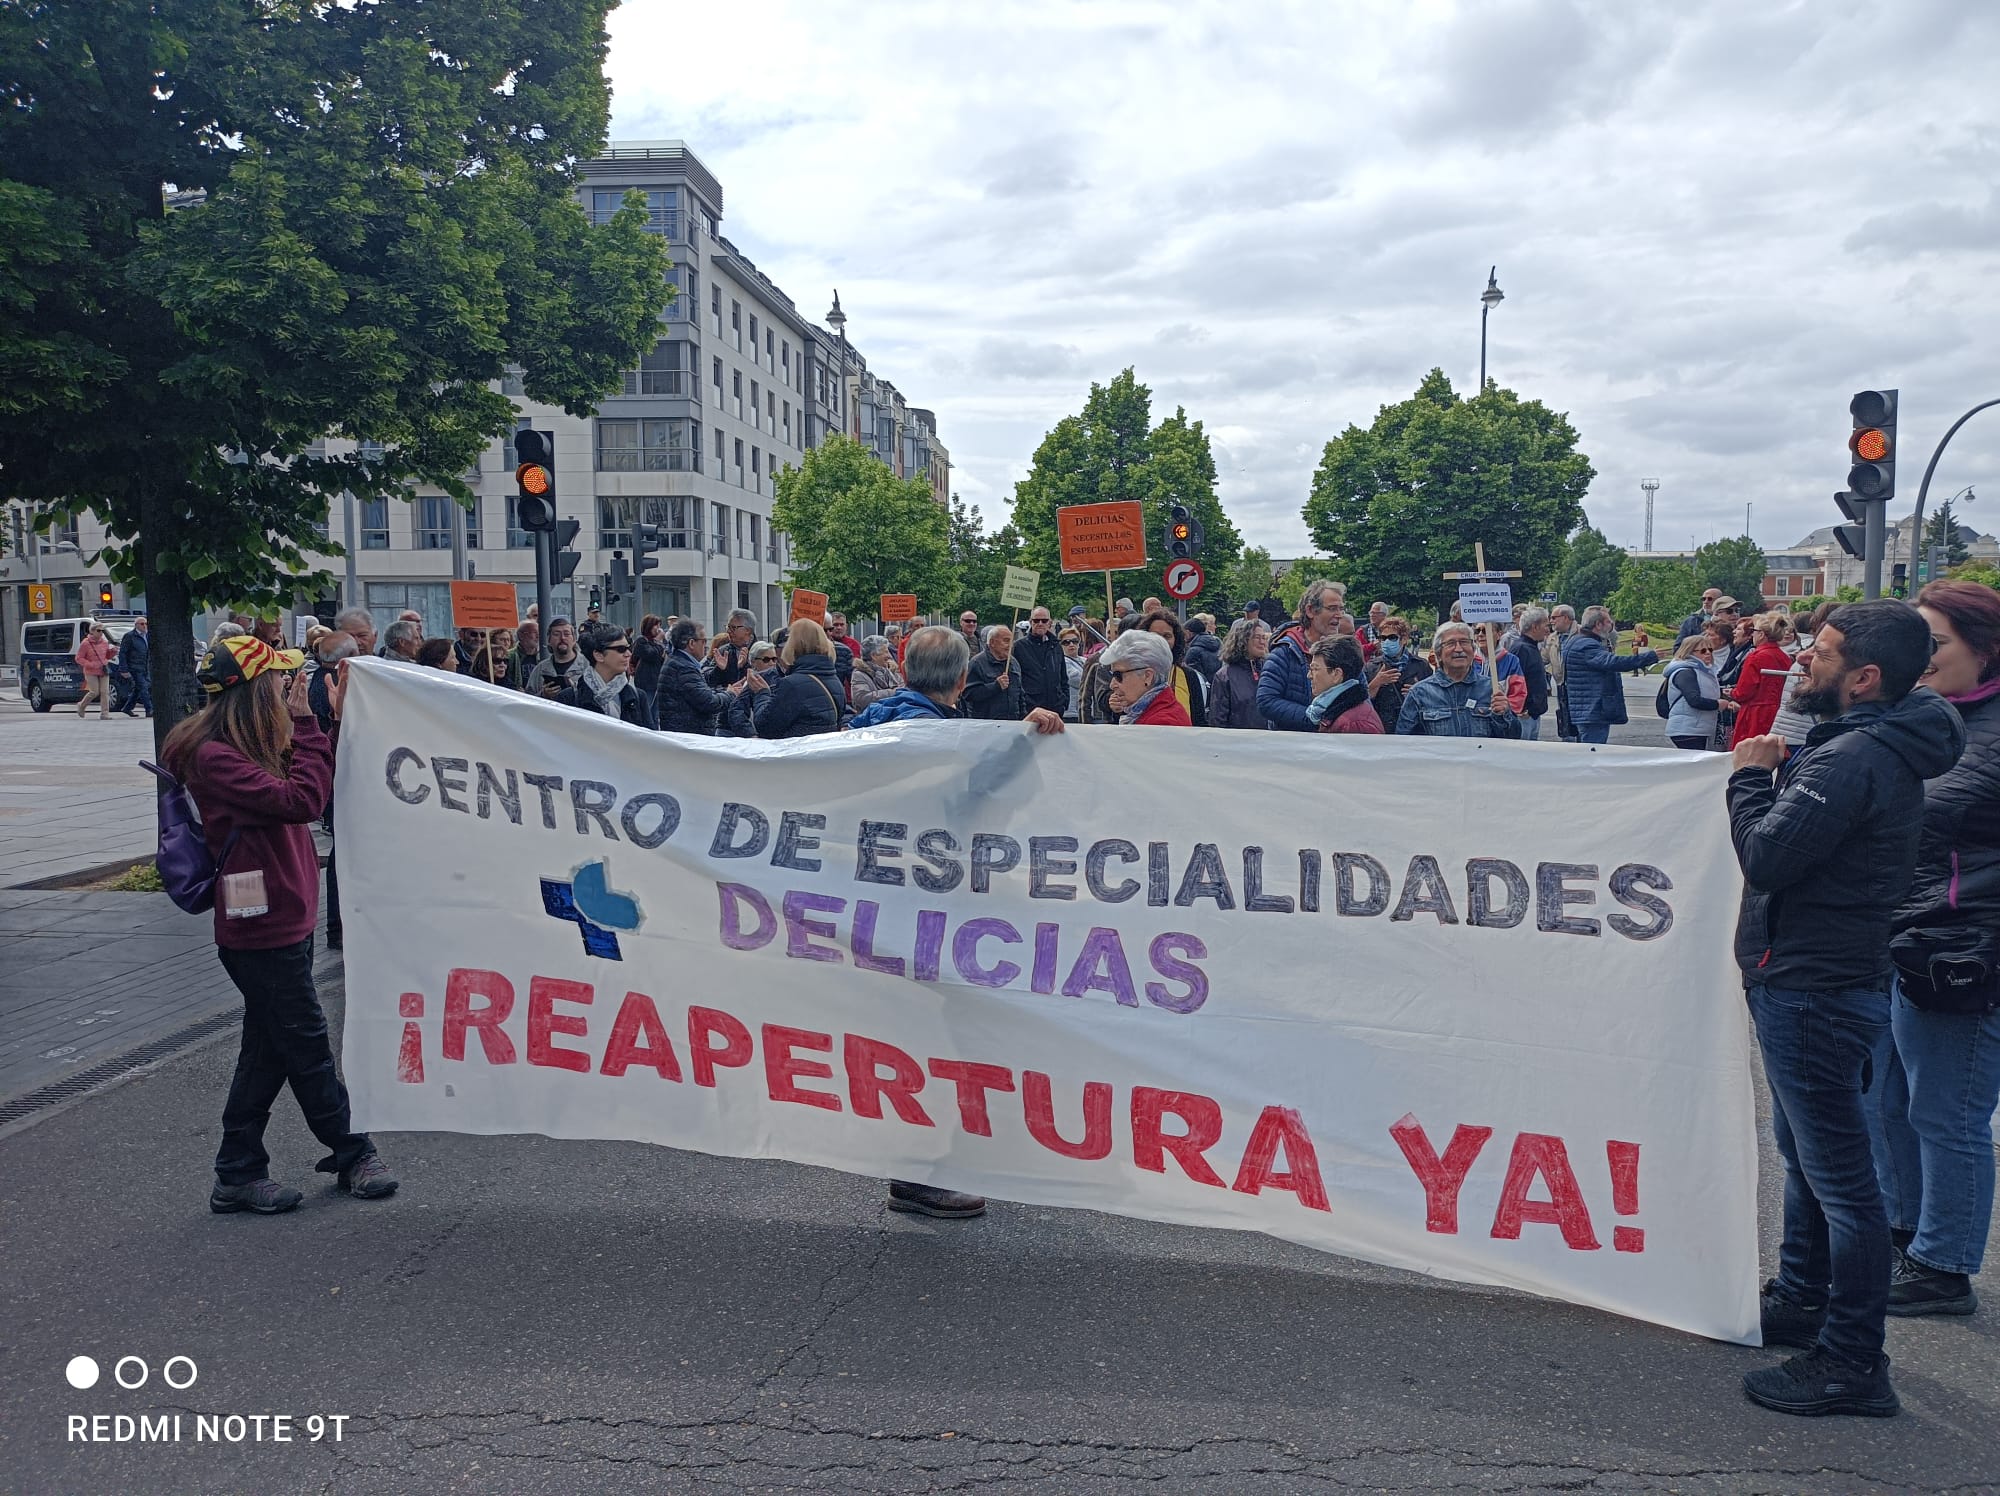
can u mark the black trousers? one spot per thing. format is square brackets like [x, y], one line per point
[284, 1040]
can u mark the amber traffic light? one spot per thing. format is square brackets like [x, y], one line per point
[1873, 444]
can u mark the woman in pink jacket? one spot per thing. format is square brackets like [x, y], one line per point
[94, 657]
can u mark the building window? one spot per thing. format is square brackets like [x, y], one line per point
[756, 418]
[736, 323]
[771, 410]
[433, 523]
[715, 307]
[649, 446]
[686, 281]
[718, 450]
[662, 210]
[771, 352]
[518, 539]
[374, 524]
[719, 540]
[788, 422]
[678, 517]
[753, 335]
[756, 468]
[785, 362]
[661, 372]
[739, 462]
[1782, 583]
[736, 380]
[716, 375]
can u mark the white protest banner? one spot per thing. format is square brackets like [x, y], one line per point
[1481, 1021]
[1485, 602]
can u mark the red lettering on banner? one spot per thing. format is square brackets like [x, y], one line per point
[544, 1022]
[1624, 1160]
[1281, 1125]
[1150, 1145]
[974, 1080]
[1442, 1178]
[639, 1037]
[783, 1069]
[866, 1085]
[410, 1053]
[1038, 1104]
[712, 1023]
[1538, 1154]
[464, 984]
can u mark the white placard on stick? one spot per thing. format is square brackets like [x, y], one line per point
[1486, 602]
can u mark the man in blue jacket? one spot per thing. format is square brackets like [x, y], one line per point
[135, 658]
[1284, 689]
[1827, 840]
[1591, 667]
[1458, 700]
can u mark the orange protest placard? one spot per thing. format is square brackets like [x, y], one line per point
[808, 604]
[899, 607]
[1102, 537]
[484, 605]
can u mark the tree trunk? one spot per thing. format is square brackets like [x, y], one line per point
[170, 618]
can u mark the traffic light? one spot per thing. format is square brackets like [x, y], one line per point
[1899, 580]
[561, 535]
[104, 595]
[1873, 445]
[1183, 534]
[1939, 558]
[596, 598]
[618, 581]
[1852, 538]
[646, 540]
[535, 477]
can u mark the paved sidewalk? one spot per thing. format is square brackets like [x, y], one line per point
[72, 794]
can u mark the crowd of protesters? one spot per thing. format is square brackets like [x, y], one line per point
[1864, 805]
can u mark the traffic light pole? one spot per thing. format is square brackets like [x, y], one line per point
[545, 565]
[1878, 542]
[1924, 488]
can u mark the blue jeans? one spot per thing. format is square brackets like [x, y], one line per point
[1936, 1087]
[1531, 729]
[1818, 1052]
[1593, 732]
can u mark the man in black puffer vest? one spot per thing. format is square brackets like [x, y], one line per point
[1827, 840]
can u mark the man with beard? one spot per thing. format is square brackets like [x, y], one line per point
[1827, 841]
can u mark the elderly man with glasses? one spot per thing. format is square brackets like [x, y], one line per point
[1459, 700]
[1038, 655]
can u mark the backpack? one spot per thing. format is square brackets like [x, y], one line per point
[1662, 703]
[186, 868]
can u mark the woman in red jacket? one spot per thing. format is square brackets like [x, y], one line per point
[1140, 667]
[1759, 694]
[260, 770]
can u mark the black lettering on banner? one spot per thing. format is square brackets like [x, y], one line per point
[1345, 866]
[935, 847]
[1424, 892]
[736, 814]
[1254, 898]
[992, 853]
[1093, 870]
[670, 819]
[508, 794]
[1479, 910]
[592, 799]
[1551, 897]
[1309, 873]
[1628, 885]
[1043, 866]
[795, 839]
[397, 758]
[549, 786]
[1205, 879]
[442, 770]
[872, 846]
[1157, 875]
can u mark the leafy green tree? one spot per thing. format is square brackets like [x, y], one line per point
[1736, 566]
[1984, 574]
[1100, 456]
[1943, 528]
[1654, 592]
[230, 230]
[859, 531]
[1251, 579]
[982, 560]
[1404, 501]
[1292, 585]
[1183, 472]
[1848, 594]
[1590, 571]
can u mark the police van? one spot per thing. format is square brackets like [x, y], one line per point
[50, 675]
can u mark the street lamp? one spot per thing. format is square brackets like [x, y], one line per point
[1491, 297]
[837, 320]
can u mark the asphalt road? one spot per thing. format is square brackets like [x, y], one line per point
[537, 1316]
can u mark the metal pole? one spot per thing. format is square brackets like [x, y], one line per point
[457, 541]
[1484, 312]
[1871, 565]
[545, 564]
[353, 599]
[1923, 488]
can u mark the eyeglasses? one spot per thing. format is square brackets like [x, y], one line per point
[619, 648]
[1119, 675]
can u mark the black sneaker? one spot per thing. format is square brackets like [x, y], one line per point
[924, 1199]
[1819, 1382]
[368, 1178]
[266, 1197]
[1915, 1289]
[1788, 1322]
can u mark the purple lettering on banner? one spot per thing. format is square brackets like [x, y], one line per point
[965, 952]
[734, 896]
[863, 941]
[799, 929]
[1044, 979]
[1101, 967]
[930, 945]
[1167, 952]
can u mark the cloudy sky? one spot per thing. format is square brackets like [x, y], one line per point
[1713, 222]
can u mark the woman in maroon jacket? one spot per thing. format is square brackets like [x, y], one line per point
[260, 770]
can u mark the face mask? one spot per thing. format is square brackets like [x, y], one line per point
[1391, 648]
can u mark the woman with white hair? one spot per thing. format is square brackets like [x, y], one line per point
[1139, 665]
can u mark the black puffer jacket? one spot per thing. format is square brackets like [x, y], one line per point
[685, 701]
[1204, 655]
[806, 700]
[1957, 886]
[985, 697]
[1044, 675]
[1829, 843]
[650, 655]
